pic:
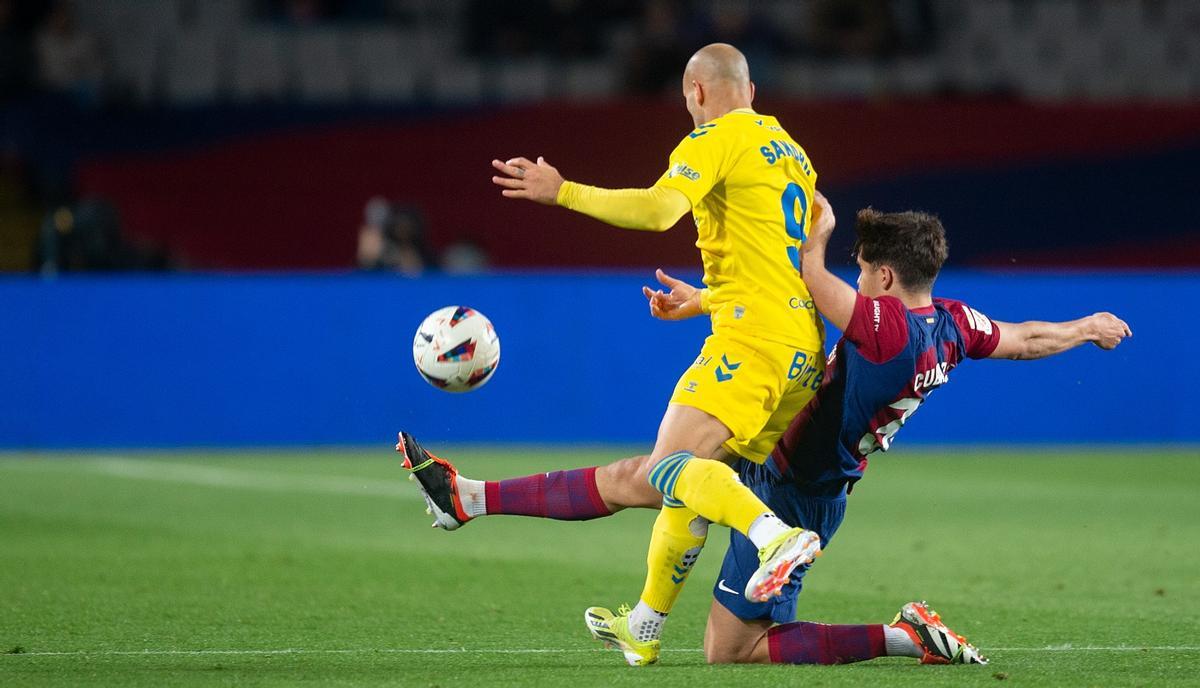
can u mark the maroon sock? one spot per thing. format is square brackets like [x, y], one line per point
[563, 495]
[802, 642]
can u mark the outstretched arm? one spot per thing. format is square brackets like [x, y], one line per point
[654, 209]
[1034, 339]
[833, 297]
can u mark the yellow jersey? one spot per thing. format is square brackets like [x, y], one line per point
[751, 188]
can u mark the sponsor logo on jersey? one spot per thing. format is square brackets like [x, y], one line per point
[682, 169]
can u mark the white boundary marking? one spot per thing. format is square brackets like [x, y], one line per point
[237, 478]
[523, 651]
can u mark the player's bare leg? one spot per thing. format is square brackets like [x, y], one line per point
[684, 428]
[730, 640]
[685, 480]
[623, 484]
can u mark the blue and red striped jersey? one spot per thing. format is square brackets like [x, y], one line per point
[880, 372]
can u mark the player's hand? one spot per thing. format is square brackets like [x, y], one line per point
[1108, 330]
[680, 302]
[823, 222]
[523, 179]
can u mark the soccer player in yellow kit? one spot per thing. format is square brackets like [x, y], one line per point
[749, 186]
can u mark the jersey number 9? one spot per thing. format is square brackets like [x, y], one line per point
[793, 196]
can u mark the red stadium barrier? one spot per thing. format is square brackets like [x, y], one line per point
[294, 198]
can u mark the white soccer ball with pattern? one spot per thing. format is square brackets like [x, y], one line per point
[456, 349]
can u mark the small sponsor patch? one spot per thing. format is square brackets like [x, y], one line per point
[681, 169]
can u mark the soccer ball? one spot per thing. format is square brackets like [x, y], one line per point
[456, 349]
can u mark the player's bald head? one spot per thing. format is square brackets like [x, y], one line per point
[716, 81]
[718, 63]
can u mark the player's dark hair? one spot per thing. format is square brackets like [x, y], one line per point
[912, 244]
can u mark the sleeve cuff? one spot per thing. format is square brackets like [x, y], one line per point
[566, 194]
[705, 305]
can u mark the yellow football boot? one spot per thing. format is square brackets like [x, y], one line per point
[613, 630]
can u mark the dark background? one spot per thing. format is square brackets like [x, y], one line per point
[250, 134]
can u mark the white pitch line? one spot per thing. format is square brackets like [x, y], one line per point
[242, 479]
[522, 651]
[1096, 648]
[251, 480]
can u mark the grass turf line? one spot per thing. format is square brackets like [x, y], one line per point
[327, 553]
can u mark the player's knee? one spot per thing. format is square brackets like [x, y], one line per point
[631, 472]
[717, 652]
[639, 468]
[624, 484]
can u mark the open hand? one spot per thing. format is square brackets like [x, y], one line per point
[1108, 330]
[680, 302]
[536, 181]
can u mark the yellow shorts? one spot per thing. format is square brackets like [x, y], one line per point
[754, 387]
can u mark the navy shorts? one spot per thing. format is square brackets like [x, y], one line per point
[818, 512]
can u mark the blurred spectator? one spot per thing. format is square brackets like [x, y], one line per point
[16, 58]
[393, 239]
[87, 237]
[68, 58]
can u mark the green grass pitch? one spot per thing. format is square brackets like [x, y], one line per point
[282, 568]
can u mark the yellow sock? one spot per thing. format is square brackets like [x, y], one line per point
[708, 487]
[675, 544]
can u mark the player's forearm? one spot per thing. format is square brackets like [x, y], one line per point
[1042, 339]
[832, 297]
[655, 209]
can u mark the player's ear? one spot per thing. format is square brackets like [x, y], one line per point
[751, 91]
[887, 278]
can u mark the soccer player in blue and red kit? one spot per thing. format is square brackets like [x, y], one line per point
[899, 344]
